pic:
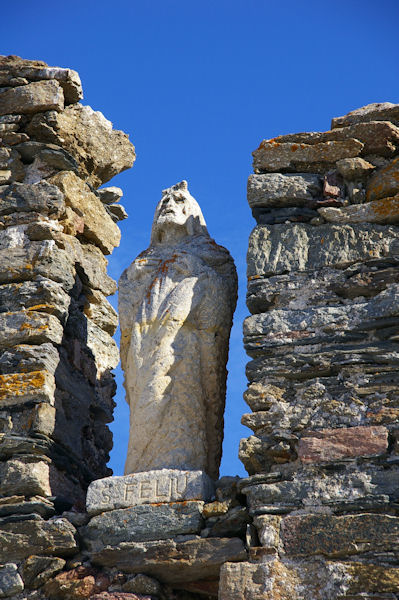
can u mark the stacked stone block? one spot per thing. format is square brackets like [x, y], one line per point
[56, 325]
[323, 384]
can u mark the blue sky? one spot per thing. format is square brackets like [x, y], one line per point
[197, 85]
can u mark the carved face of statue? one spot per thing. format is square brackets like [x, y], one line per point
[177, 215]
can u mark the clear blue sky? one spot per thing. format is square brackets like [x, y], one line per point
[197, 85]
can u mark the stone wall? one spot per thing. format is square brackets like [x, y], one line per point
[56, 349]
[323, 290]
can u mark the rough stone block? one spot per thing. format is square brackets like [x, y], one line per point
[100, 311]
[34, 97]
[10, 580]
[42, 197]
[86, 134]
[28, 358]
[378, 137]
[29, 328]
[37, 70]
[79, 583]
[36, 570]
[381, 211]
[165, 485]
[377, 111]
[21, 537]
[99, 228]
[142, 523]
[341, 536]
[173, 561]
[274, 190]
[20, 388]
[328, 445]
[286, 248]
[384, 183]
[341, 491]
[42, 296]
[313, 158]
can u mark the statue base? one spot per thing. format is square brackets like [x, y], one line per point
[158, 486]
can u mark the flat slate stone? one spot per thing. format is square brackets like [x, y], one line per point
[164, 485]
[142, 523]
[10, 580]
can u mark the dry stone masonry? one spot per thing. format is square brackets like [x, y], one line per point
[323, 384]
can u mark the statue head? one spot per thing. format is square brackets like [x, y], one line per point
[177, 215]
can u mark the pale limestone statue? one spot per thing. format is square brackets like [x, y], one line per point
[176, 303]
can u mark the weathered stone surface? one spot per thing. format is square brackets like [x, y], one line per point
[175, 340]
[100, 312]
[344, 490]
[385, 183]
[142, 584]
[378, 137]
[100, 151]
[37, 70]
[280, 248]
[42, 197]
[141, 524]
[377, 111]
[99, 228]
[110, 195]
[10, 580]
[354, 168]
[36, 296]
[29, 358]
[335, 536]
[120, 596]
[20, 388]
[381, 211]
[165, 485]
[103, 347]
[79, 583]
[275, 190]
[172, 561]
[313, 158]
[29, 327]
[22, 537]
[117, 212]
[17, 505]
[316, 325]
[91, 264]
[334, 444]
[34, 97]
[36, 570]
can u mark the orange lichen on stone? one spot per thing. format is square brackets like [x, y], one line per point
[17, 384]
[386, 207]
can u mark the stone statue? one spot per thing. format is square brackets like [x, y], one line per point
[176, 303]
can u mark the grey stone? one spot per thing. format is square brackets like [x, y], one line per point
[277, 190]
[34, 97]
[15, 505]
[142, 523]
[281, 248]
[110, 195]
[315, 325]
[100, 312]
[29, 327]
[142, 584]
[117, 212]
[10, 580]
[340, 491]
[377, 111]
[87, 135]
[313, 158]
[24, 537]
[36, 570]
[165, 485]
[27, 358]
[171, 561]
[39, 296]
[42, 197]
